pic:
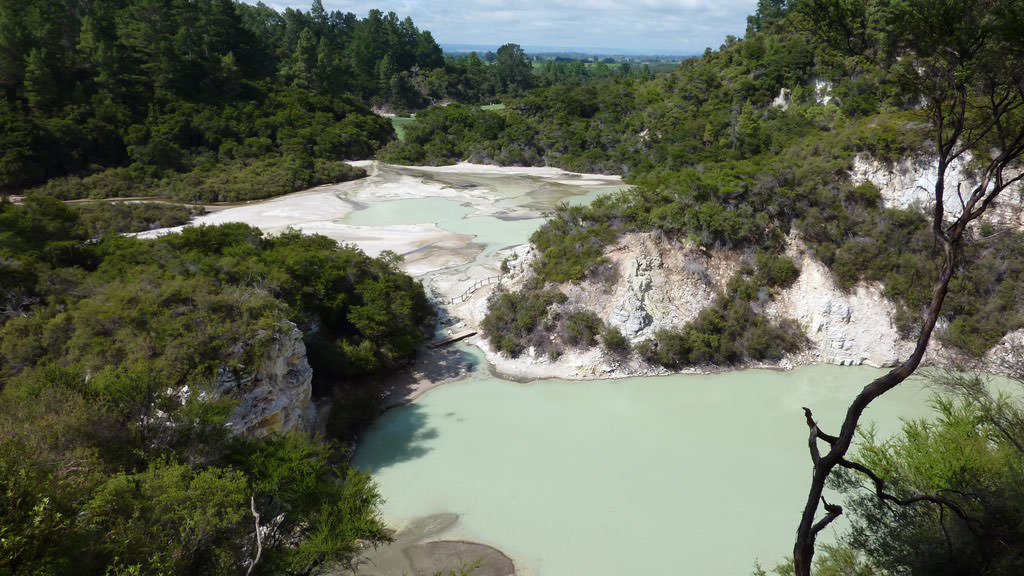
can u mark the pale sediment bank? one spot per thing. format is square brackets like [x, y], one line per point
[426, 546]
[507, 193]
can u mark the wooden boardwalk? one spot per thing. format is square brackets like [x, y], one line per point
[453, 338]
[473, 288]
[512, 267]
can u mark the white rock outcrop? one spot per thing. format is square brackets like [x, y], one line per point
[276, 396]
[910, 182]
[846, 328]
[1008, 354]
[823, 92]
[657, 283]
[783, 100]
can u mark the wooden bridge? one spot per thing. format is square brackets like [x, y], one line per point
[473, 288]
[453, 338]
[512, 266]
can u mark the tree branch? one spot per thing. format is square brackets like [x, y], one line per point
[832, 511]
[879, 483]
[259, 536]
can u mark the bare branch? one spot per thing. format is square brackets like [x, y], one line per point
[812, 443]
[879, 483]
[832, 511]
[260, 530]
[818, 433]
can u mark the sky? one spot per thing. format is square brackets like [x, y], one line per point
[671, 27]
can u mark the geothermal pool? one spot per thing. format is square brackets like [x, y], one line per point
[684, 474]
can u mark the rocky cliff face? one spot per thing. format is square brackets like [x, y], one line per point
[276, 396]
[662, 283]
[911, 182]
[846, 328]
[656, 283]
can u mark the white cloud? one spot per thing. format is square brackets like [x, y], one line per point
[641, 26]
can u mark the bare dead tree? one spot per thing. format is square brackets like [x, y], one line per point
[964, 57]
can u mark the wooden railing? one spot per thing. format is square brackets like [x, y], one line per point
[474, 287]
[513, 266]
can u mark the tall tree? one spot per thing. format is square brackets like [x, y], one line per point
[965, 60]
[513, 67]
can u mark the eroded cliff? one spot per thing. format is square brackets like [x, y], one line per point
[276, 395]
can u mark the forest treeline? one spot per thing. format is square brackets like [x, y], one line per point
[214, 100]
[114, 457]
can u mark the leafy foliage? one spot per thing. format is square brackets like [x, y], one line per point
[514, 319]
[106, 219]
[615, 341]
[114, 454]
[149, 97]
[967, 454]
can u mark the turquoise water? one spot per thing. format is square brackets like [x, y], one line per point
[493, 233]
[682, 474]
[449, 215]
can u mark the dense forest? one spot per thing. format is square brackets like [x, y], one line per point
[739, 149]
[114, 457]
[214, 100]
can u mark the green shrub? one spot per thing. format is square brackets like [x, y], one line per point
[514, 317]
[106, 218]
[775, 270]
[571, 243]
[580, 328]
[614, 341]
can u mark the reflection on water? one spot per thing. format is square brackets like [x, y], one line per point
[404, 436]
[671, 475]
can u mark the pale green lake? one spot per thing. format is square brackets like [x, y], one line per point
[680, 474]
[450, 215]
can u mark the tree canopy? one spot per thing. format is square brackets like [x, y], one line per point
[114, 457]
[212, 100]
